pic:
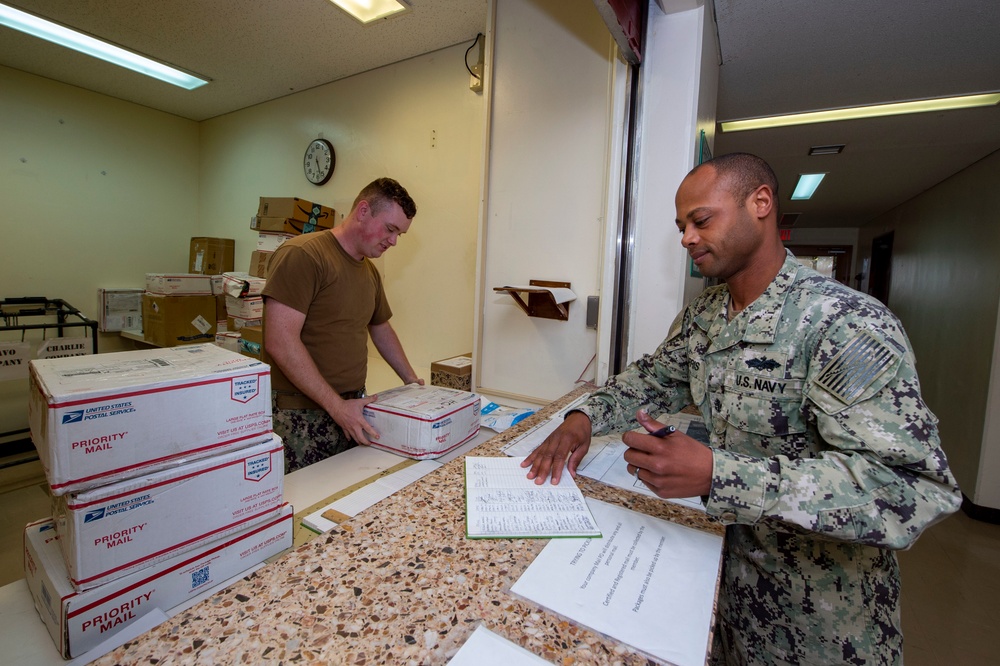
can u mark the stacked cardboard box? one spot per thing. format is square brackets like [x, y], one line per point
[281, 218]
[166, 479]
[179, 309]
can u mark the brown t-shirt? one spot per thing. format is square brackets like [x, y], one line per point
[340, 297]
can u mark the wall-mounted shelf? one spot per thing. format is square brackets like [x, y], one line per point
[545, 298]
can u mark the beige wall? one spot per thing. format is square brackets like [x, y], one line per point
[946, 289]
[95, 192]
[69, 228]
[416, 121]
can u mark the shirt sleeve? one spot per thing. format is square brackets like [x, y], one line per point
[291, 279]
[656, 382]
[880, 477]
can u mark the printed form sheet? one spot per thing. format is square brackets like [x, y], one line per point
[649, 583]
[501, 502]
[605, 460]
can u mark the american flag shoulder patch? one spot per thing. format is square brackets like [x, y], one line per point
[856, 367]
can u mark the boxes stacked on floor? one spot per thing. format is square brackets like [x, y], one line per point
[166, 479]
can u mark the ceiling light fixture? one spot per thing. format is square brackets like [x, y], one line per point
[367, 11]
[833, 149]
[78, 41]
[808, 182]
[856, 112]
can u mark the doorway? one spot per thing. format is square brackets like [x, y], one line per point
[830, 260]
[881, 268]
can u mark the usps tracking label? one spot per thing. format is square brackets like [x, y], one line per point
[256, 468]
[245, 389]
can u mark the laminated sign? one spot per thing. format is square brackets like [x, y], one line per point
[14, 358]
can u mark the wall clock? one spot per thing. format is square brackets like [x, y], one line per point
[319, 161]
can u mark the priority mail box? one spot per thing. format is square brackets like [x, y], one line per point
[79, 621]
[239, 323]
[228, 340]
[423, 421]
[211, 256]
[168, 321]
[270, 241]
[119, 309]
[240, 285]
[250, 307]
[179, 284]
[108, 417]
[110, 531]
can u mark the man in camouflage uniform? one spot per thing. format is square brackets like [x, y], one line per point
[823, 457]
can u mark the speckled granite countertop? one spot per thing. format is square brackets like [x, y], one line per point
[398, 584]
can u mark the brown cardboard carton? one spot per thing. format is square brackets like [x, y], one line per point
[258, 263]
[252, 343]
[285, 225]
[168, 321]
[211, 256]
[295, 209]
[453, 372]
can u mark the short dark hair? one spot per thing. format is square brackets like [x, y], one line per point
[743, 173]
[382, 191]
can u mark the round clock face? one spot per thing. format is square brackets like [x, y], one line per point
[319, 161]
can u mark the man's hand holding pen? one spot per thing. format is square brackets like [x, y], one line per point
[670, 463]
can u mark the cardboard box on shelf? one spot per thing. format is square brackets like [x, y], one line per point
[455, 372]
[79, 621]
[228, 340]
[119, 310]
[237, 324]
[112, 530]
[252, 343]
[258, 263]
[169, 321]
[104, 418]
[269, 241]
[295, 209]
[287, 225]
[179, 284]
[211, 256]
[423, 421]
[251, 307]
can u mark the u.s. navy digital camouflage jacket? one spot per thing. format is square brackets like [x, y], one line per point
[825, 459]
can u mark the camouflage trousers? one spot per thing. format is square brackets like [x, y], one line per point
[309, 435]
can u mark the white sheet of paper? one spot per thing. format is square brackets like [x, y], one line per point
[648, 583]
[485, 648]
[560, 294]
[501, 502]
[371, 494]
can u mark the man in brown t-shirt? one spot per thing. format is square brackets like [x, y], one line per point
[323, 299]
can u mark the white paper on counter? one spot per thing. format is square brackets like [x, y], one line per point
[370, 494]
[648, 583]
[485, 648]
[560, 294]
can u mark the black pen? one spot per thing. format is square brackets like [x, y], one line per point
[664, 431]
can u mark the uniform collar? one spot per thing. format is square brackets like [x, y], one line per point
[757, 323]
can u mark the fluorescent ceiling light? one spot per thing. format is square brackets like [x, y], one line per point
[856, 112]
[367, 11]
[53, 32]
[808, 182]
